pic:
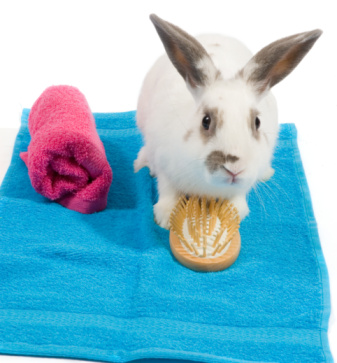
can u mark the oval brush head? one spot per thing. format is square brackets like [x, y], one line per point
[204, 233]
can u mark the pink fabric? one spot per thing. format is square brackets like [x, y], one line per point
[66, 159]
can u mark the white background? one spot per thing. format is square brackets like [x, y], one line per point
[105, 48]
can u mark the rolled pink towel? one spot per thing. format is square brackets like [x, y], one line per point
[66, 159]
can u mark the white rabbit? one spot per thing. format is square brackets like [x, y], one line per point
[207, 116]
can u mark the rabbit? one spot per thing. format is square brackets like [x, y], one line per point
[207, 116]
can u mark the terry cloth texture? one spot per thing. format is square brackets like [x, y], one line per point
[66, 159]
[106, 287]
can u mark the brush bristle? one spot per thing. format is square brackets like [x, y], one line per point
[204, 227]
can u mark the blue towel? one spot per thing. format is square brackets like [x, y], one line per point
[106, 286]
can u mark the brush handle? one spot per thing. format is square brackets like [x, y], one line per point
[205, 264]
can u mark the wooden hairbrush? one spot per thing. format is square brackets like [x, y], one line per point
[204, 234]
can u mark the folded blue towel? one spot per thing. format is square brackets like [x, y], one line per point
[106, 286]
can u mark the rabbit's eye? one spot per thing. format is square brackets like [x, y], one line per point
[257, 123]
[206, 121]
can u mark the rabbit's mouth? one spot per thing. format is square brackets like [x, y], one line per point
[221, 180]
[235, 181]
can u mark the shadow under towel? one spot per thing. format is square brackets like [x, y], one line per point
[106, 286]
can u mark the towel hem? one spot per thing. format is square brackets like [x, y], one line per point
[141, 355]
[51, 324]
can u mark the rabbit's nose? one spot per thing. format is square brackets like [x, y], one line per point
[233, 173]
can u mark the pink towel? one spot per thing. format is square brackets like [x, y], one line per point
[66, 159]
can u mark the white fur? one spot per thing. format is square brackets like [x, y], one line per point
[167, 110]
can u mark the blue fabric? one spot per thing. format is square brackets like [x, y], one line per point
[106, 286]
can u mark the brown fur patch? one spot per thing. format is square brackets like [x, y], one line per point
[217, 120]
[240, 74]
[216, 160]
[188, 135]
[218, 75]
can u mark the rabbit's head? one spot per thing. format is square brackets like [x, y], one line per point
[231, 130]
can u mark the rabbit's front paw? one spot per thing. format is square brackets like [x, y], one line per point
[241, 205]
[162, 212]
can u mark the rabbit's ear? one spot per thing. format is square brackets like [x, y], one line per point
[186, 53]
[274, 62]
